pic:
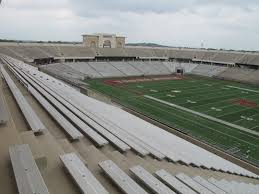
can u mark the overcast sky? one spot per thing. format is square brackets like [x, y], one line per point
[229, 24]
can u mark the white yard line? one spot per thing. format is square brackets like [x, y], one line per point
[204, 115]
[255, 127]
[242, 88]
[206, 126]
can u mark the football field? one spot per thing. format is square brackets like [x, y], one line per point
[221, 113]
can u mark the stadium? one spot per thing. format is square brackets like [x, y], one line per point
[104, 117]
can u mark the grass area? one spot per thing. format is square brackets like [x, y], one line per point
[229, 101]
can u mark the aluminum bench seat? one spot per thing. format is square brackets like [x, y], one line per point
[32, 119]
[3, 112]
[85, 180]
[61, 120]
[120, 178]
[209, 185]
[174, 183]
[193, 184]
[71, 107]
[226, 185]
[27, 174]
[78, 122]
[150, 181]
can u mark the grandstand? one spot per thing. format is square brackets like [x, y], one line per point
[126, 68]
[32, 51]
[208, 70]
[149, 68]
[161, 133]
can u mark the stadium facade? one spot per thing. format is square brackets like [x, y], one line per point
[102, 40]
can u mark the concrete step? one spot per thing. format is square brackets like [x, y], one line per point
[29, 138]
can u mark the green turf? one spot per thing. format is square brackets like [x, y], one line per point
[205, 95]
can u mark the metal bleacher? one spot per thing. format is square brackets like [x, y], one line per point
[207, 70]
[47, 83]
[32, 119]
[3, 112]
[172, 182]
[127, 165]
[155, 185]
[120, 178]
[84, 68]
[82, 176]
[233, 187]
[182, 183]
[193, 184]
[27, 175]
[72, 71]
[208, 185]
[127, 69]
[144, 68]
[60, 119]
[84, 116]
[237, 74]
[52, 97]
[105, 69]
[159, 67]
[123, 130]
[62, 70]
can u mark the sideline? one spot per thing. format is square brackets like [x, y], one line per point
[229, 86]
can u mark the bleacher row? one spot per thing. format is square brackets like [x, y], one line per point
[3, 113]
[38, 51]
[33, 120]
[30, 181]
[126, 69]
[83, 70]
[241, 75]
[112, 69]
[79, 116]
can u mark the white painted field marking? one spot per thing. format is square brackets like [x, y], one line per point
[153, 90]
[203, 115]
[205, 126]
[242, 88]
[221, 107]
[176, 91]
[169, 95]
[140, 86]
[247, 118]
[208, 85]
[192, 102]
[225, 88]
[243, 92]
[216, 109]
